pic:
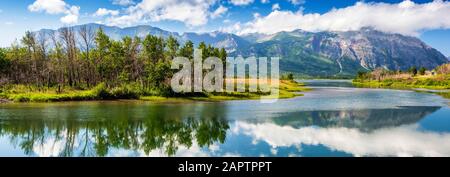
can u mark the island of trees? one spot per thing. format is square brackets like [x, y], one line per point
[87, 64]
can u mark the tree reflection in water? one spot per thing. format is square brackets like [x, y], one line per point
[154, 129]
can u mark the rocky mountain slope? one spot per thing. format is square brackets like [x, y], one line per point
[345, 53]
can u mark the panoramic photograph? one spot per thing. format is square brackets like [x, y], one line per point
[224, 78]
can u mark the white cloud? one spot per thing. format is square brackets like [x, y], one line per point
[264, 1]
[190, 12]
[219, 11]
[406, 18]
[9, 23]
[256, 15]
[56, 7]
[51, 147]
[297, 2]
[71, 15]
[123, 2]
[241, 2]
[49, 6]
[103, 12]
[399, 141]
[276, 6]
[236, 27]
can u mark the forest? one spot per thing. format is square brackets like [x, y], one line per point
[86, 59]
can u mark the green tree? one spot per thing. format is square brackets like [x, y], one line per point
[361, 75]
[4, 62]
[223, 55]
[172, 47]
[413, 70]
[153, 48]
[422, 71]
[83, 60]
[187, 50]
[115, 61]
[290, 76]
[202, 47]
[102, 53]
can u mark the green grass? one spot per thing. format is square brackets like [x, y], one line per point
[20, 93]
[444, 94]
[439, 82]
[288, 89]
[96, 93]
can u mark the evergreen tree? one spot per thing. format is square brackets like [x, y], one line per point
[187, 50]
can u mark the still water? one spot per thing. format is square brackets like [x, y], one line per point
[332, 120]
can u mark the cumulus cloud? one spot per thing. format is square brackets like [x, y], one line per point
[399, 141]
[48, 6]
[56, 7]
[406, 18]
[103, 12]
[241, 2]
[190, 12]
[276, 6]
[264, 1]
[297, 2]
[123, 2]
[49, 148]
[72, 15]
[219, 11]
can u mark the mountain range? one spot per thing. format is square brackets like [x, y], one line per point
[318, 54]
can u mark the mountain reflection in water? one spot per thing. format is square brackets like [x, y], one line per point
[203, 129]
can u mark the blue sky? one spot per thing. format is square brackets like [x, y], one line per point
[428, 20]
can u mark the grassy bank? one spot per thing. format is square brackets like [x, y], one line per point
[426, 83]
[445, 94]
[438, 79]
[416, 82]
[288, 89]
[20, 93]
[400, 85]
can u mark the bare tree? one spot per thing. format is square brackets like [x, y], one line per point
[57, 62]
[68, 37]
[29, 40]
[87, 35]
[43, 59]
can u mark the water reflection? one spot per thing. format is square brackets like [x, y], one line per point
[327, 83]
[82, 130]
[364, 120]
[204, 129]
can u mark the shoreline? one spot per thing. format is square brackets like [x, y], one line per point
[443, 91]
[288, 89]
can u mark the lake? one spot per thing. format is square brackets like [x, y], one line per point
[334, 119]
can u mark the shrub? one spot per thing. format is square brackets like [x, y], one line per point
[100, 91]
[125, 91]
[422, 71]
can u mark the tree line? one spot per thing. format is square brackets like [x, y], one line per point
[86, 57]
[382, 73]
